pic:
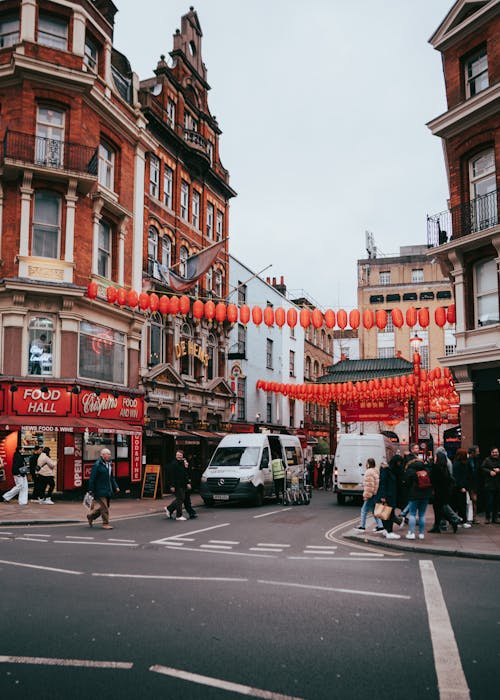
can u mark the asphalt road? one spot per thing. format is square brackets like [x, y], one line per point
[268, 603]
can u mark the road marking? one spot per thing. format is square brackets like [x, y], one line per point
[176, 544]
[321, 546]
[272, 512]
[77, 537]
[4, 538]
[87, 663]
[216, 551]
[30, 539]
[336, 590]
[43, 568]
[224, 542]
[114, 539]
[216, 546]
[5, 533]
[162, 577]
[264, 549]
[452, 683]
[366, 554]
[99, 544]
[312, 552]
[34, 534]
[272, 544]
[330, 535]
[219, 683]
[366, 557]
[164, 540]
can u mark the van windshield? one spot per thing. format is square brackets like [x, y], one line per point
[235, 457]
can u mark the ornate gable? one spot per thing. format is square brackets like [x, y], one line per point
[462, 19]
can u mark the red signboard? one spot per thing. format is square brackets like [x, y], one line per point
[356, 414]
[30, 400]
[107, 405]
[135, 457]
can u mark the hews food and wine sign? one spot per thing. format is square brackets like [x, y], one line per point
[104, 405]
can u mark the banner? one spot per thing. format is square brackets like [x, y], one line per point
[196, 266]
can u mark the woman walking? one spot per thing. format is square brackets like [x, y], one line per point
[388, 493]
[370, 488]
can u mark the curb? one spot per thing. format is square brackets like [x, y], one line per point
[11, 523]
[422, 548]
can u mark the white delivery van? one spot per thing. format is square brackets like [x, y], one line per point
[240, 469]
[350, 460]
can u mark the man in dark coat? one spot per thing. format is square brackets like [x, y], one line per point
[179, 483]
[420, 491]
[388, 493]
[491, 473]
[102, 486]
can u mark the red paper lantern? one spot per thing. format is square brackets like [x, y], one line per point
[257, 315]
[451, 314]
[132, 298]
[354, 318]
[305, 318]
[330, 318]
[368, 319]
[121, 296]
[341, 319]
[381, 318]
[291, 317]
[184, 305]
[244, 314]
[143, 301]
[411, 316]
[423, 317]
[164, 304]
[111, 294]
[317, 318]
[220, 312]
[232, 313]
[92, 290]
[154, 302]
[198, 309]
[210, 310]
[280, 317]
[397, 318]
[173, 307]
[440, 316]
[269, 316]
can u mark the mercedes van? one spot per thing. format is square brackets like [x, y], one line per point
[240, 469]
[350, 460]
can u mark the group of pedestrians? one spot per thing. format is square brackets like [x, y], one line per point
[320, 473]
[42, 470]
[409, 484]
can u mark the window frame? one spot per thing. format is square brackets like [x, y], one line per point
[210, 221]
[35, 331]
[91, 334]
[171, 109]
[292, 363]
[14, 19]
[53, 227]
[269, 353]
[417, 275]
[195, 208]
[219, 225]
[89, 60]
[470, 79]
[106, 165]
[168, 186]
[384, 278]
[49, 140]
[108, 254]
[184, 201]
[154, 176]
[486, 293]
[53, 39]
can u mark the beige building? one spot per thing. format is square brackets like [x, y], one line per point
[408, 280]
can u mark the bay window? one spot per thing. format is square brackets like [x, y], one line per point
[101, 353]
[46, 225]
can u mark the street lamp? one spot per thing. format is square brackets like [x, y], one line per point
[415, 344]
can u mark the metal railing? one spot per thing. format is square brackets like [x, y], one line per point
[49, 153]
[476, 215]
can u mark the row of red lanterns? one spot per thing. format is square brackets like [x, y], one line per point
[221, 312]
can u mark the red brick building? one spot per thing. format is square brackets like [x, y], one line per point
[466, 237]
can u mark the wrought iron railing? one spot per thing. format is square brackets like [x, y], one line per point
[476, 215]
[49, 153]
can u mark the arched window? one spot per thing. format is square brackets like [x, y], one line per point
[153, 251]
[46, 225]
[308, 368]
[219, 286]
[212, 356]
[40, 335]
[166, 251]
[183, 256]
[209, 278]
[185, 359]
[315, 369]
[156, 340]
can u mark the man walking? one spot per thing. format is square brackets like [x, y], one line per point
[102, 486]
[179, 482]
[278, 478]
[19, 472]
[491, 472]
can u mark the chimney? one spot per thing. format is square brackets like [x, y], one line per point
[281, 287]
[274, 281]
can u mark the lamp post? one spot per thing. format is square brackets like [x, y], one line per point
[415, 344]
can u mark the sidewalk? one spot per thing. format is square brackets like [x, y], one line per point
[480, 541]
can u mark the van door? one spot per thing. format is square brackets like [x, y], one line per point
[266, 471]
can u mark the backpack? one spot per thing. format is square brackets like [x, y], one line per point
[423, 479]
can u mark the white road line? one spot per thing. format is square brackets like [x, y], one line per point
[43, 568]
[321, 546]
[5, 533]
[114, 539]
[224, 542]
[272, 544]
[164, 540]
[77, 537]
[216, 546]
[264, 549]
[452, 683]
[229, 554]
[4, 538]
[366, 554]
[98, 544]
[219, 683]
[161, 577]
[335, 590]
[34, 534]
[30, 539]
[272, 512]
[87, 663]
[312, 552]
[330, 535]
[367, 557]
[176, 544]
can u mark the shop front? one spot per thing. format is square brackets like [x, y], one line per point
[75, 423]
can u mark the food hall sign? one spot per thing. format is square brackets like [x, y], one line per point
[108, 406]
[32, 401]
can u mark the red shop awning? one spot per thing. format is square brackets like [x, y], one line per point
[67, 424]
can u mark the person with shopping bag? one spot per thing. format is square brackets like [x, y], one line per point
[370, 487]
[387, 494]
[19, 472]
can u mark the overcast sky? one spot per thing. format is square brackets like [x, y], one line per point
[323, 106]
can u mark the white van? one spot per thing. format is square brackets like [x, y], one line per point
[350, 461]
[240, 469]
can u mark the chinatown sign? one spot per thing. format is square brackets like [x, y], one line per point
[106, 405]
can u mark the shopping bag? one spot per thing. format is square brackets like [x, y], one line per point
[88, 501]
[469, 510]
[382, 511]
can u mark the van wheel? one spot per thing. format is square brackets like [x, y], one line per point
[340, 499]
[259, 498]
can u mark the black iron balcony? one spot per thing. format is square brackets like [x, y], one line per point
[49, 153]
[476, 215]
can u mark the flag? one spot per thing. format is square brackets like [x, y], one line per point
[196, 266]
